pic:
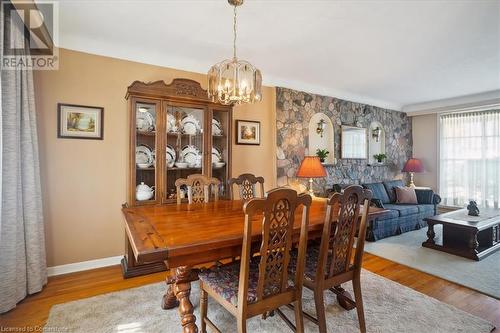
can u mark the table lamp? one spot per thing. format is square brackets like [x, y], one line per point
[311, 167]
[411, 166]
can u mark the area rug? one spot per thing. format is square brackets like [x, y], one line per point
[406, 249]
[389, 307]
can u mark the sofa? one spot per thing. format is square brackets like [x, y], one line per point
[400, 217]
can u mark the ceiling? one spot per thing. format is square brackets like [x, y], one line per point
[386, 53]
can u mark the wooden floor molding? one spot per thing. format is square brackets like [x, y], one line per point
[34, 310]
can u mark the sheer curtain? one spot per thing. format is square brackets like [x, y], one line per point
[470, 158]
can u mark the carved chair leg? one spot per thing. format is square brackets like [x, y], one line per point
[299, 319]
[320, 310]
[203, 308]
[356, 285]
[242, 324]
[182, 290]
[169, 300]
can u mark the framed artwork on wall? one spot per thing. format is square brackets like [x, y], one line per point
[80, 122]
[247, 132]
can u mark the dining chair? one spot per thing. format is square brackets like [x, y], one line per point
[260, 284]
[198, 188]
[247, 186]
[329, 262]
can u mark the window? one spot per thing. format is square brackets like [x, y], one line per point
[470, 158]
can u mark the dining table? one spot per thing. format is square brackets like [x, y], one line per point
[187, 235]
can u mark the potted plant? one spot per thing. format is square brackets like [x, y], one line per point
[380, 157]
[322, 154]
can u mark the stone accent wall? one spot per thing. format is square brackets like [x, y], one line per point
[294, 111]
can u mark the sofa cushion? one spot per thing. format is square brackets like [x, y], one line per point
[389, 188]
[378, 191]
[426, 209]
[405, 195]
[390, 214]
[404, 210]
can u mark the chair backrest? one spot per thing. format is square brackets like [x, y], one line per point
[341, 222]
[278, 215]
[198, 188]
[247, 185]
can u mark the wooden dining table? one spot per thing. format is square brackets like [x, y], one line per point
[188, 235]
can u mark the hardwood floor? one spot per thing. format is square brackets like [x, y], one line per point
[34, 310]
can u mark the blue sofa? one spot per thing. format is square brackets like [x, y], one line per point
[401, 217]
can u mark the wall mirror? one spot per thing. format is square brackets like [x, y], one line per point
[353, 142]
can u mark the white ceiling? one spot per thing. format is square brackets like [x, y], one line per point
[386, 53]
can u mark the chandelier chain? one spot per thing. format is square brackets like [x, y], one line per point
[234, 31]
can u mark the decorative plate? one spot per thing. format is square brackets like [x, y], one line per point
[171, 126]
[216, 155]
[191, 155]
[190, 125]
[143, 154]
[216, 127]
[144, 120]
[171, 155]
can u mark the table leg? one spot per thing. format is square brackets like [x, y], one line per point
[169, 300]
[343, 297]
[183, 277]
[473, 242]
[430, 233]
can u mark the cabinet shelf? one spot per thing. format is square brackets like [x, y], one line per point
[146, 169]
[180, 169]
[183, 134]
[145, 133]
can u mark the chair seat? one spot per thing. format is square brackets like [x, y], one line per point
[312, 257]
[224, 280]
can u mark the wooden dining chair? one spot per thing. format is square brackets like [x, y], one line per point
[198, 188]
[258, 285]
[329, 263]
[247, 184]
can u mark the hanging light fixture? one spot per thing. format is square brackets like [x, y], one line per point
[234, 81]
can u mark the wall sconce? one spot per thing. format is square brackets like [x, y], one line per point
[376, 132]
[321, 127]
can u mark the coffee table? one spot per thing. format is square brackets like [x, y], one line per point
[467, 236]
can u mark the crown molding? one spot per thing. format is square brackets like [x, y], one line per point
[475, 102]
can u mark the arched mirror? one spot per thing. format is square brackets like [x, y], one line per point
[376, 143]
[321, 136]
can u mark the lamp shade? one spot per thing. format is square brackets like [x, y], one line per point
[311, 167]
[413, 165]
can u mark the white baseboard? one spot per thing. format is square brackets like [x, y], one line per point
[83, 266]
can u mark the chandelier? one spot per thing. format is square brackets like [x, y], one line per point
[234, 81]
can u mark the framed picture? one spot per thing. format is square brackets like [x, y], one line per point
[247, 132]
[80, 122]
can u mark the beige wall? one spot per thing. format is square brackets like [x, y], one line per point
[425, 147]
[84, 181]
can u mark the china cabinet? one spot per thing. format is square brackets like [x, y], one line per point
[175, 131]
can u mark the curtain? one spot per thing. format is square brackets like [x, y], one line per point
[22, 244]
[470, 158]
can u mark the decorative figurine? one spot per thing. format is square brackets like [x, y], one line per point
[472, 207]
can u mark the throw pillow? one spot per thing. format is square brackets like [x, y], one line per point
[406, 195]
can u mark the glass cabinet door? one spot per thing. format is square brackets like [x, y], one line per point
[220, 148]
[146, 115]
[185, 149]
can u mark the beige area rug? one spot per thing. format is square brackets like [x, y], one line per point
[389, 307]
